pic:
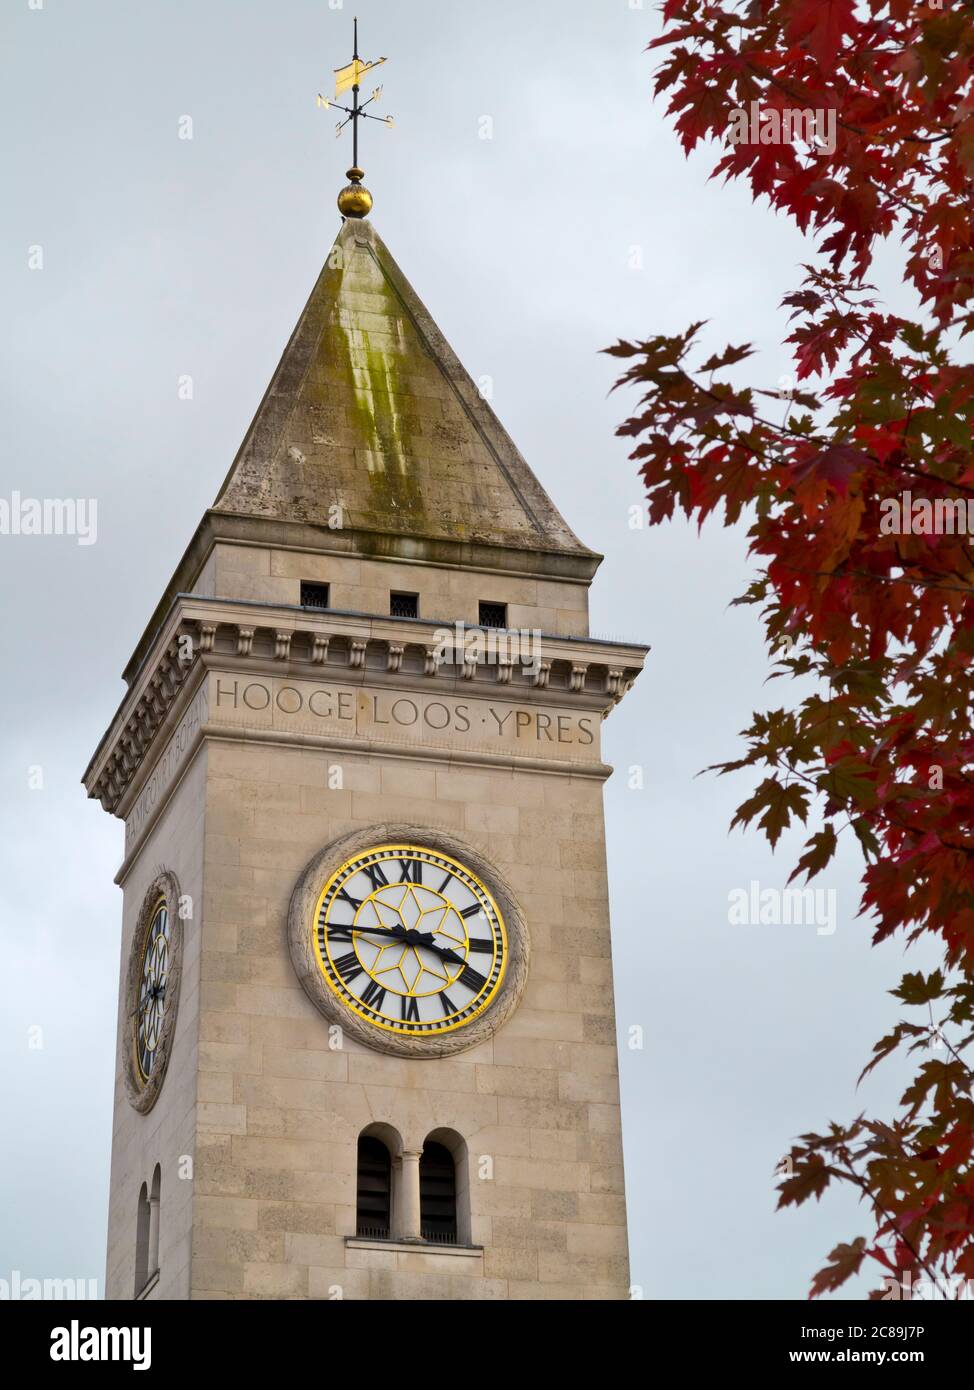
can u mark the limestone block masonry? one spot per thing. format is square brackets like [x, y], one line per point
[256, 734]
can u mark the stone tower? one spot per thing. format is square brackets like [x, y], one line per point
[366, 1037]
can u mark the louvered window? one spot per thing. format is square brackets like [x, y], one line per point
[437, 1195]
[373, 1206]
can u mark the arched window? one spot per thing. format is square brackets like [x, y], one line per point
[147, 1232]
[438, 1194]
[142, 1241]
[154, 1194]
[374, 1193]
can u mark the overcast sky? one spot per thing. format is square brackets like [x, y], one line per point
[577, 222]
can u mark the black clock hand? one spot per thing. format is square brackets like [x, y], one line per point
[399, 933]
[409, 935]
[412, 937]
[444, 952]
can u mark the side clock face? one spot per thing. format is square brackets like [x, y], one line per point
[411, 940]
[152, 991]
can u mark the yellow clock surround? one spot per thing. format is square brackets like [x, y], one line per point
[409, 939]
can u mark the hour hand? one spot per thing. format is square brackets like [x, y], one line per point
[428, 940]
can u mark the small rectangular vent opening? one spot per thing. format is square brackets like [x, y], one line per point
[404, 605]
[493, 614]
[314, 595]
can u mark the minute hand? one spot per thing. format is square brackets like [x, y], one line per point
[399, 932]
[412, 937]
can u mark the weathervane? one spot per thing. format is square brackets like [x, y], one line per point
[354, 200]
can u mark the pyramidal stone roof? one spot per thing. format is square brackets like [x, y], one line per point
[371, 419]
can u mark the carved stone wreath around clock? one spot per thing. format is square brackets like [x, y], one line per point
[409, 939]
[152, 991]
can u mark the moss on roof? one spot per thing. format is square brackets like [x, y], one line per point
[371, 419]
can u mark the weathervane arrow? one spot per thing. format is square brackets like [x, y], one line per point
[354, 200]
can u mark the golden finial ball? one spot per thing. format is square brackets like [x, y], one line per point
[354, 200]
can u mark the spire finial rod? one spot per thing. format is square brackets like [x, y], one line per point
[354, 200]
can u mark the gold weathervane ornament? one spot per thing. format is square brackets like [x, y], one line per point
[354, 200]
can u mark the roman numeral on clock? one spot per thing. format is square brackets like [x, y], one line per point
[472, 979]
[472, 910]
[376, 876]
[373, 995]
[482, 947]
[346, 934]
[448, 1005]
[410, 1009]
[348, 966]
[412, 871]
[346, 897]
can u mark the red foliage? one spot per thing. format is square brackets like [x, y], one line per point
[881, 614]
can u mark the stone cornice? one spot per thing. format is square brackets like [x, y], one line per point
[233, 529]
[351, 648]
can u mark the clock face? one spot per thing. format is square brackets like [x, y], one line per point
[152, 991]
[410, 940]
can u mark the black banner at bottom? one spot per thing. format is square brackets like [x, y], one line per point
[253, 1336]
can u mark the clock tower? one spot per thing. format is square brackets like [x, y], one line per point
[366, 1036]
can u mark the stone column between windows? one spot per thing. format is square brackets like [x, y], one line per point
[409, 1227]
